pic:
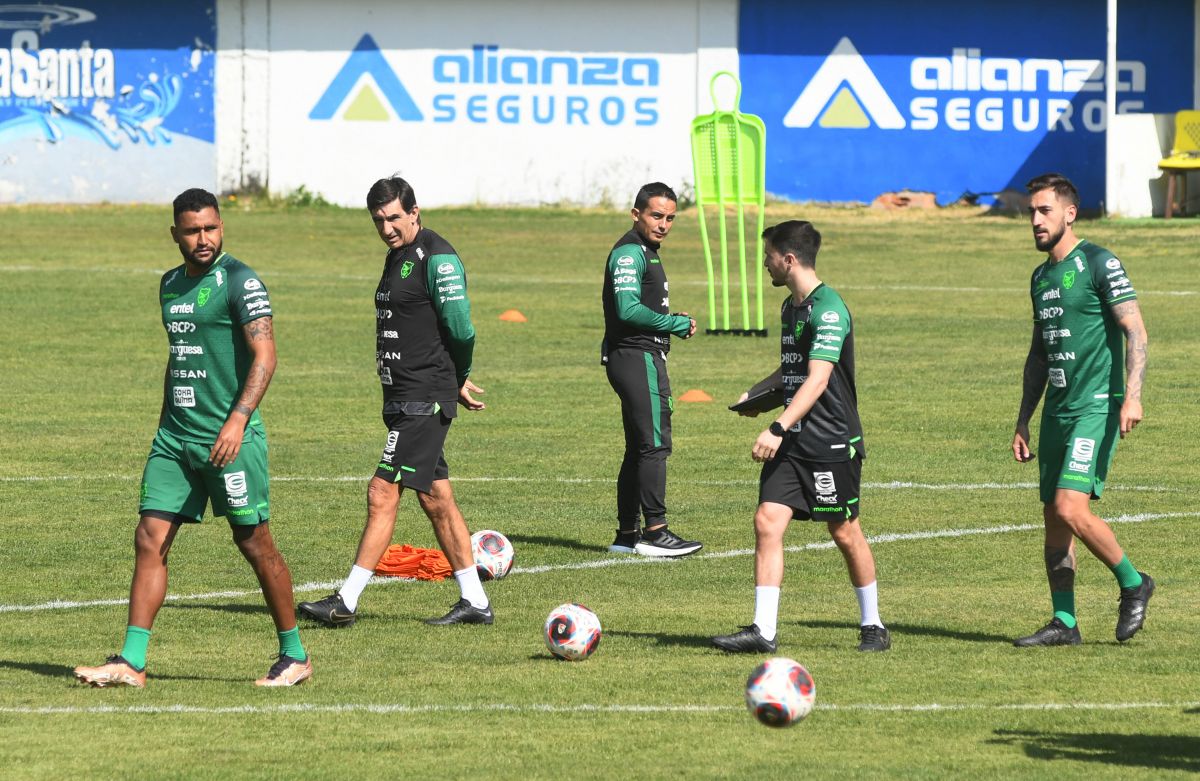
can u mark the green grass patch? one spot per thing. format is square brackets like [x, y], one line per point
[942, 316]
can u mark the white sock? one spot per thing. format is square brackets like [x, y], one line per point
[471, 588]
[766, 610]
[868, 604]
[356, 581]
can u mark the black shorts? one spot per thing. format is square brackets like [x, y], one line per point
[814, 490]
[412, 456]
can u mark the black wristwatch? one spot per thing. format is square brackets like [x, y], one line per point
[776, 429]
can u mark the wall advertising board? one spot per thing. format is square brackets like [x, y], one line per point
[106, 100]
[950, 97]
[473, 103]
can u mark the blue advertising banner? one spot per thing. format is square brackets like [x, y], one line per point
[106, 99]
[950, 97]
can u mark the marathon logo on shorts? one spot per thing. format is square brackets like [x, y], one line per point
[1082, 450]
[185, 396]
[235, 489]
[389, 449]
[826, 487]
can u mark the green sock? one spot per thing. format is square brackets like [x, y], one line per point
[134, 650]
[1127, 576]
[1064, 607]
[289, 644]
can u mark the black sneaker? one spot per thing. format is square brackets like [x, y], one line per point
[330, 611]
[463, 612]
[1132, 612]
[626, 542]
[664, 542]
[1053, 633]
[748, 641]
[874, 638]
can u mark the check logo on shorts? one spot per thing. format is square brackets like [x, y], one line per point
[1082, 450]
[235, 489]
[826, 488]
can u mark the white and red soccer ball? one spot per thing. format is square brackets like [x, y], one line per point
[780, 692]
[572, 632]
[493, 554]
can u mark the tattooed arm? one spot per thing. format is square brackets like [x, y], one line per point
[260, 339]
[1129, 318]
[1032, 386]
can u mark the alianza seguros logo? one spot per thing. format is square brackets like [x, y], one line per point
[963, 92]
[492, 85]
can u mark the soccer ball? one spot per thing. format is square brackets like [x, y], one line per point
[572, 632]
[780, 692]
[493, 554]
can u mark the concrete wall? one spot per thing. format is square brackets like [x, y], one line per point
[514, 103]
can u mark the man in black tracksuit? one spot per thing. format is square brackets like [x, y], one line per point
[637, 337]
[424, 342]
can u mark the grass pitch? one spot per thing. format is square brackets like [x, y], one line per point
[942, 318]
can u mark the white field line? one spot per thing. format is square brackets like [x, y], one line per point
[892, 485]
[619, 561]
[500, 707]
[486, 275]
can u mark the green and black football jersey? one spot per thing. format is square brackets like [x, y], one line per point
[203, 317]
[820, 327]
[424, 338]
[1072, 310]
[637, 310]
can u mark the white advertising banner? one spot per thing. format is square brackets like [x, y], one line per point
[507, 103]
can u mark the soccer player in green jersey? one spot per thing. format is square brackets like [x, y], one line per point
[638, 325]
[1083, 303]
[812, 453]
[424, 343]
[211, 446]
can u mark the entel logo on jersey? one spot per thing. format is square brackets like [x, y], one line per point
[488, 69]
[845, 93]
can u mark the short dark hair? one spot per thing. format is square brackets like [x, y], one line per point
[389, 189]
[1060, 184]
[194, 200]
[653, 190]
[798, 237]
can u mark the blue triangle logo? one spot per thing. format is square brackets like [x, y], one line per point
[367, 59]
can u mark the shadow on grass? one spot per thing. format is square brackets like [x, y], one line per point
[662, 638]
[899, 630]
[1161, 752]
[554, 542]
[63, 671]
[39, 668]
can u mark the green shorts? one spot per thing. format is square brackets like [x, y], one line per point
[178, 481]
[1075, 453]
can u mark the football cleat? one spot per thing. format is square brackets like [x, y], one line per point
[115, 671]
[665, 543]
[1053, 633]
[1131, 613]
[874, 638]
[330, 611]
[287, 672]
[463, 612]
[748, 641]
